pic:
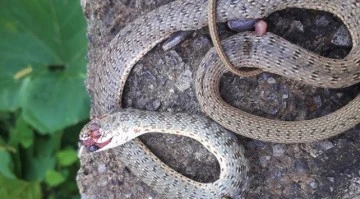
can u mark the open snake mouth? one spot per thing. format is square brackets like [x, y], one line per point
[92, 145]
[90, 141]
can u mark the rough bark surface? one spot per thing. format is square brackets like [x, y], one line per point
[163, 81]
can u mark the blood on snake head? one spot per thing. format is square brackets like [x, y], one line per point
[90, 135]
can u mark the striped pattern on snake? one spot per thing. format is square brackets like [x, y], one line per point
[256, 127]
[118, 128]
[141, 35]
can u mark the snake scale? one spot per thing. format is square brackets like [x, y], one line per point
[269, 53]
[233, 165]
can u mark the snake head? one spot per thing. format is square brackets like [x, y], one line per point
[92, 137]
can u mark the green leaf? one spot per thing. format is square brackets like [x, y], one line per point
[40, 157]
[54, 178]
[11, 92]
[14, 189]
[55, 101]
[44, 43]
[6, 165]
[36, 167]
[22, 134]
[67, 157]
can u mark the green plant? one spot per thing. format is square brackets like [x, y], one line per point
[42, 97]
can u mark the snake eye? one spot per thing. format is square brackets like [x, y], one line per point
[92, 148]
[94, 126]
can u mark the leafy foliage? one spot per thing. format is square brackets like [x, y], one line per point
[19, 189]
[42, 97]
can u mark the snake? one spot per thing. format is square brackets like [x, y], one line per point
[269, 53]
[120, 127]
[217, 44]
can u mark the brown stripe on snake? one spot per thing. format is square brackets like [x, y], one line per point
[107, 83]
[126, 49]
[207, 85]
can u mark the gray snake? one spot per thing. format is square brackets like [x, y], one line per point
[270, 53]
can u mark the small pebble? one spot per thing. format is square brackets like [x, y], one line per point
[339, 95]
[298, 26]
[301, 166]
[272, 111]
[150, 86]
[184, 81]
[318, 148]
[342, 37]
[156, 104]
[326, 145]
[322, 21]
[278, 150]
[101, 168]
[331, 179]
[142, 102]
[264, 160]
[313, 185]
[149, 107]
[318, 102]
[271, 80]
[277, 174]
[103, 183]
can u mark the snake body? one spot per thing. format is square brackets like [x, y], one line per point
[123, 126]
[140, 36]
[207, 87]
[217, 44]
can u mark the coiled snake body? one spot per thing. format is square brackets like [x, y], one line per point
[123, 126]
[270, 53]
